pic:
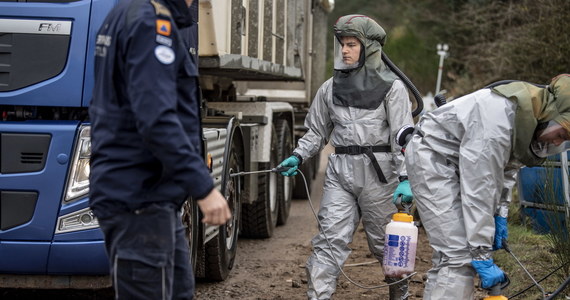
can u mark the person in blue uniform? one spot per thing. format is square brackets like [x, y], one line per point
[146, 148]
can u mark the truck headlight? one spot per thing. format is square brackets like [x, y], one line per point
[76, 221]
[78, 180]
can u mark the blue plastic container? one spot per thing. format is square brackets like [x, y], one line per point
[541, 195]
[541, 185]
[544, 221]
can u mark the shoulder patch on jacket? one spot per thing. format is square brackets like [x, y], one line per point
[160, 9]
[163, 27]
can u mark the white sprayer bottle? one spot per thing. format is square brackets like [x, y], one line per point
[400, 246]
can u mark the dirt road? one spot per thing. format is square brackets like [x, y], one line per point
[274, 268]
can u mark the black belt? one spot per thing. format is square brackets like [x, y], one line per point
[369, 151]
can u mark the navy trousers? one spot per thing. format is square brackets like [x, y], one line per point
[149, 254]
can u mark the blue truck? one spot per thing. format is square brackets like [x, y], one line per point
[260, 64]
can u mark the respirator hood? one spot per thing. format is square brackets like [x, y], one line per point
[365, 85]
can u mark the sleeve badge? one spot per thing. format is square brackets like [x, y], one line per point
[163, 27]
[164, 54]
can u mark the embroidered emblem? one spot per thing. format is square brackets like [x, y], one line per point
[163, 27]
[164, 54]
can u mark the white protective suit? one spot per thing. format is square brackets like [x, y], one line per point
[352, 190]
[461, 176]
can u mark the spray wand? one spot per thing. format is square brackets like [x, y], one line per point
[277, 169]
[506, 247]
[496, 291]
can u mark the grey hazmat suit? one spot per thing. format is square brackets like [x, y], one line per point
[362, 107]
[463, 164]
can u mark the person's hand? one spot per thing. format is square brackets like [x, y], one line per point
[501, 232]
[214, 208]
[292, 162]
[489, 273]
[404, 191]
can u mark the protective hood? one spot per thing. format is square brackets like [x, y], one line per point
[560, 88]
[365, 85]
[536, 105]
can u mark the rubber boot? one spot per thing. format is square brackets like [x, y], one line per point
[398, 291]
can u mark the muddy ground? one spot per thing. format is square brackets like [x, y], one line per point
[274, 268]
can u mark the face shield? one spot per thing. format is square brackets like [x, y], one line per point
[347, 53]
[551, 139]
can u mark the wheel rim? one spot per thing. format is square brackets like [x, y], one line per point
[287, 185]
[273, 192]
[231, 195]
[187, 217]
[188, 220]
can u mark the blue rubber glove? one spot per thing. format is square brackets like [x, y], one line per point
[403, 190]
[489, 273]
[293, 163]
[501, 232]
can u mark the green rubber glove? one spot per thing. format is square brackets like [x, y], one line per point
[404, 191]
[292, 162]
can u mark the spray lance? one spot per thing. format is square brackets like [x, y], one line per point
[495, 292]
[277, 169]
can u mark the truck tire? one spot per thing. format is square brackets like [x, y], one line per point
[221, 250]
[300, 192]
[260, 217]
[191, 220]
[284, 183]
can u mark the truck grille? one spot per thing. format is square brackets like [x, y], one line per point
[20, 153]
[31, 51]
[16, 208]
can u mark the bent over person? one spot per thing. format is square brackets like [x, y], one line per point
[146, 149]
[359, 111]
[463, 162]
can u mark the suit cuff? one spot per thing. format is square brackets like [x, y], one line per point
[297, 155]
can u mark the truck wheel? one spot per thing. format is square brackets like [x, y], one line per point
[221, 250]
[284, 183]
[191, 219]
[300, 191]
[260, 217]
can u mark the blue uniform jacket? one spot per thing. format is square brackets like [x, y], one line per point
[145, 112]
